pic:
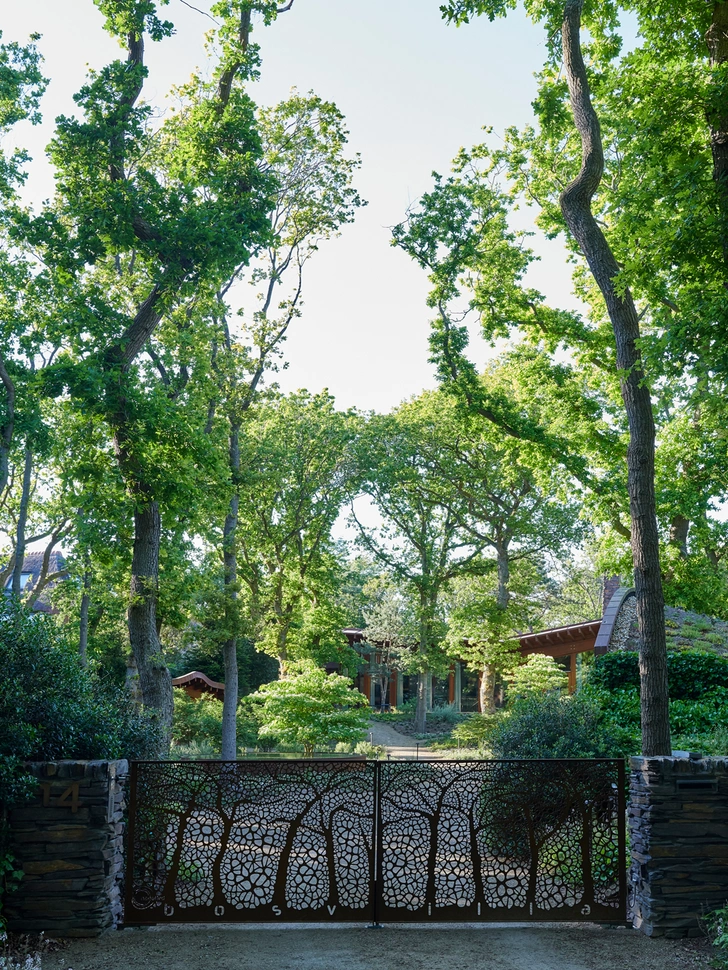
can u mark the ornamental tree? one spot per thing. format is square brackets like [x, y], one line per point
[311, 708]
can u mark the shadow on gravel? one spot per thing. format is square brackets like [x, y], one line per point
[394, 947]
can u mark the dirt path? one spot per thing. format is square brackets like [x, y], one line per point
[399, 746]
[346, 947]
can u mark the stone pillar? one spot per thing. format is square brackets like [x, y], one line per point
[678, 823]
[400, 690]
[68, 841]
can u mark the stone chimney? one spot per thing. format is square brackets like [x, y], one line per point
[611, 585]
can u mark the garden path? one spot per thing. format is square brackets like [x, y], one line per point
[400, 747]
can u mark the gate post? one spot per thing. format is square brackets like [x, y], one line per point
[68, 841]
[678, 821]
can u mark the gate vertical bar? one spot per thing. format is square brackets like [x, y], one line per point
[129, 846]
[622, 837]
[377, 846]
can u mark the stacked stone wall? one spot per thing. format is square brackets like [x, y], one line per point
[678, 823]
[69, 842]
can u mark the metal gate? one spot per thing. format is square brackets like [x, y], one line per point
[343, 840]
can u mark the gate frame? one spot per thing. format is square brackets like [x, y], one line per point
[375, 884]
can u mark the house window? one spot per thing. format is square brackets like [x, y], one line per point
[24, 580]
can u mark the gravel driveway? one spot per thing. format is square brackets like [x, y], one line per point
[399, 746]
[345, 947]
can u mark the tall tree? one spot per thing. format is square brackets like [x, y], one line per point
[608, 227]
[304, 143]
[449, 496]
[165, 211]
[298, 470]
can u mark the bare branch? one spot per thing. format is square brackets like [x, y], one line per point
[203, 12]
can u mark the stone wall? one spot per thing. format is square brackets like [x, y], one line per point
[678, 822]
[68, 840]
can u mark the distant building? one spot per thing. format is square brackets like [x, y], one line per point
[31, 574]
[616, 629]
[195, 684]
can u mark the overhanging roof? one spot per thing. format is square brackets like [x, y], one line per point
[201, 682]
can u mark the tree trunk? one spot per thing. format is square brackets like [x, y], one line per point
[679, 529]
[421, 709]
[230, 646]
[83, 623]
[504, 575]
[717, 41]
[8, 427]
[383, 687]
[487, 690]
[22, 522]
[576, 208]
[155, 681]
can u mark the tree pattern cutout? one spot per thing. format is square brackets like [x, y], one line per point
[272, 838]
[454, 840]
[513, 839]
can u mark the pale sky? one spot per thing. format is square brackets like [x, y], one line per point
[413, 91]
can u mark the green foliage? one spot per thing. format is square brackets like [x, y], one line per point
[555, 726]
[446, 714]
[10, 875]
[716, 924]
[52, 707]
[538, 675]
[197, 724]
[197, 719]
[692, 674]
[698, 697]
[200, 650]
[311, 708]
[474, 731]
[369, 750]
[299, 471]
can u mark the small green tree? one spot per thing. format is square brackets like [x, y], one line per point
[538, 675]
[312, 708]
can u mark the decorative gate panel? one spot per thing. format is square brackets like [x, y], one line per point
[354, 840]
[232, 841]
[501, 840]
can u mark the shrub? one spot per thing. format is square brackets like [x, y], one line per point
[555, 726]
[311, 708]
[474, 731]
[691, 673]
[370, 750]
[197, 721]
[447, 713]
[618, 670]
[716, 924]
[52, 707]
[197, 726]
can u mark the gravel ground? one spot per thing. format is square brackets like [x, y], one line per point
[399, 746]
[403, 947]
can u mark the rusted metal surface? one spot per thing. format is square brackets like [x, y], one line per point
[351, 840]
[233, 841]
[502, 840]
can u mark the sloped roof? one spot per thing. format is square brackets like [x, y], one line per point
[200, 681]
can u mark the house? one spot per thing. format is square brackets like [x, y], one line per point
[616, 629]
[37, 568]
